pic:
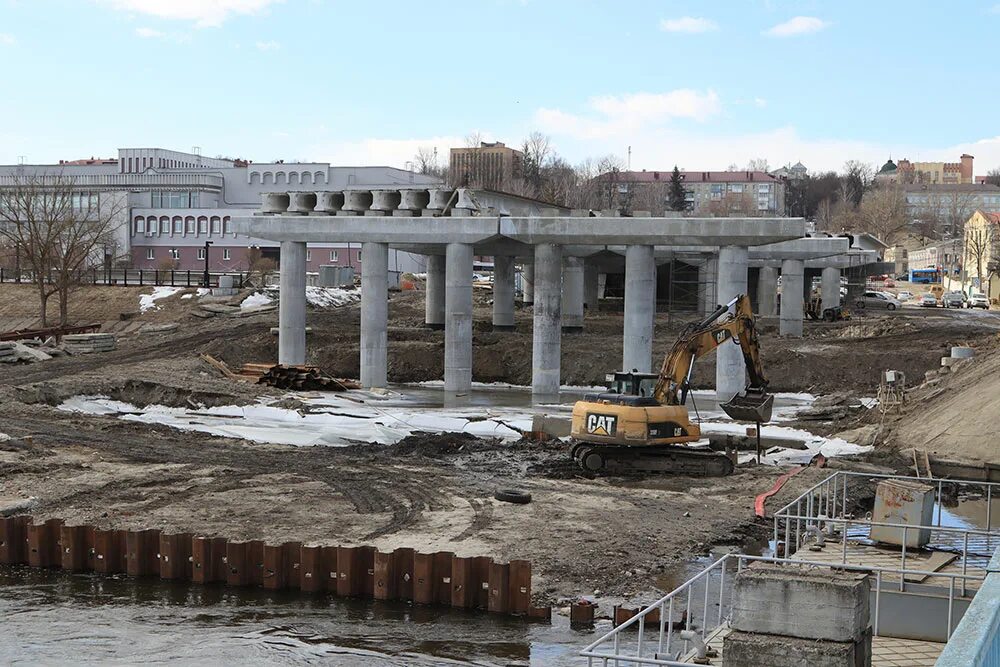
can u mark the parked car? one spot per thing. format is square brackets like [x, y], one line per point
[904, 295]
[953, 300]
[978, 301]
[928, 301]
[873, 299]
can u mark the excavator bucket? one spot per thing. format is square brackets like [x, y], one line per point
[754, 406]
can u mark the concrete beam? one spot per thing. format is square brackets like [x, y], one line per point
[802, 248]
[556, 230]
[792, 290]
[546, 336]
[730, 369]
[292, 304]
[640, 309]
[434, 296]
[503, 293]
[458, 319]
[374, 314]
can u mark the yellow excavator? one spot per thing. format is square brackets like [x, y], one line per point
[641, 423]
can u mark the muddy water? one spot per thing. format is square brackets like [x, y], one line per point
[50, 617]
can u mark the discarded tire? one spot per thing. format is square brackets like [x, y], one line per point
[513, 496]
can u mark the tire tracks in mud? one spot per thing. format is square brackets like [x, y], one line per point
[372, 487]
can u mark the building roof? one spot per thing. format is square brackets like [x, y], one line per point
[888, 168]
[692, 176]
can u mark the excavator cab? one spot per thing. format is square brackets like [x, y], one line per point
[754, 405]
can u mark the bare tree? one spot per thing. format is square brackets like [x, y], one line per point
[758, 164]
[473, 139]
[60, 232]
[857, 179]
[882, 213]
[259, 268]
[980, 242]
[993, 176]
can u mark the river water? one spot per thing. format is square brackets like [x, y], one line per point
[51, 617]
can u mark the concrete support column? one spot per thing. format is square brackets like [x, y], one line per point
[792, 286]
[572, 294]
[640, 308]
[767, 291]
[434, 298]
[292, 304]
[528, 284]
[730, 369]
[547, 324]
[503, 293]
[708, 275]
[831, 287]
[374, 313]
[591, 285]
[458, 319]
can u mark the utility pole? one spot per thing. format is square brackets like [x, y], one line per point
[207, 244]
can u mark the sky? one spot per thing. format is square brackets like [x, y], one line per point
[658, 82]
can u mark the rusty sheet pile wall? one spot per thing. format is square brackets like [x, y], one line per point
[439, 578]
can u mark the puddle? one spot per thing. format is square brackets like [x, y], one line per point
[51, 617]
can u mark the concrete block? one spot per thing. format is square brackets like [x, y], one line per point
[908, 503]
[949, 361]
[799, 602]
[555, 426]
[744, 649]
[963, 352]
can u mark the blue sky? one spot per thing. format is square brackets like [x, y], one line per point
[699, 84]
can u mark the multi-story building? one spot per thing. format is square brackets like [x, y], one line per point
[708, 193]
[171, 203]
[982, 250]
[932, 173]
[491, 166]
[942, 209]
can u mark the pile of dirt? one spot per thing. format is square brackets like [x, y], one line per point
[956, 416]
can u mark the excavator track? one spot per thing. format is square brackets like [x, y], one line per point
[670, 459]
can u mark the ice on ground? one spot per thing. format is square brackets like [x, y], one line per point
[148, 301]
[256, 300]
[186, 296]
[323, 297]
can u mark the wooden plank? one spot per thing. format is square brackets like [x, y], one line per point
[385, 576]
[937, 561]
[519, 595]
[14, 540]
[499, 588]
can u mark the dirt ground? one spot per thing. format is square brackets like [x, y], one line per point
[616, 535]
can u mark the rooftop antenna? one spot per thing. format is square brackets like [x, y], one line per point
[20, 159]
[630, 158]
[197, 151]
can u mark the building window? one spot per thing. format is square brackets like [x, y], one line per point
[226, 256]
[736, 187]
[182, 199]
[150, 253]
[227, 226]
[359, 255]
[178, 226]
[216, 226]
[175, 253]
[333, 255]
[309, 255]
[140, 225]
[201, 253]
[164, 226]
[717, 190]
[202, 225]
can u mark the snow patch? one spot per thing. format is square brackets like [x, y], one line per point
[256, 300]
[148, 301]
[323, 297]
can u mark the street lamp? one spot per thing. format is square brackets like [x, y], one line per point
[207, 244]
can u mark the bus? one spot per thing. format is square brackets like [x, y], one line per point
[925, 276]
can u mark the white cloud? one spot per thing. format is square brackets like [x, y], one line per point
[204, 13]
[759, 102]
[7, 39]
[270, 45]
[619, 115]
[148, 33]
[800, 25]
[688, 24]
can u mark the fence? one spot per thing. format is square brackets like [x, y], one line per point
[696, 597]
[403, 574]
[135, 277]
[976, 640]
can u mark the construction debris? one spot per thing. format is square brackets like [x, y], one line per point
[89, 343]
[307, 378]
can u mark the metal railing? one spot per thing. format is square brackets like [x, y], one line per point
[135, 277]
[614, 648]
[976, 640]
[825, 506]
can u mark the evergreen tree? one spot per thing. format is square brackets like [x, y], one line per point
[676, 196]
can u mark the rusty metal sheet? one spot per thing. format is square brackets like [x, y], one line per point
[238, 564]
[519, 595]
[109, 551]
[14, 540]
[423, 578]
[499, 588]
[175, 556]
[385, 576]
[463, 586]
[403, 565]
[142, 547]
[310, 569]
[73, 547]
[442, 577]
